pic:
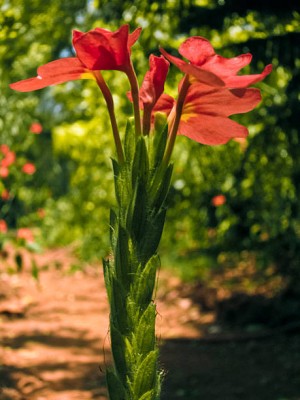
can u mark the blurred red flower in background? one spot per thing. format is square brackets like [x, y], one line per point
[25, 234]
[4, 149]
[36, 128]
[9, 159]
[218, 200]
[29, 168]
[5, 194]
[3, 226]
[4, 172]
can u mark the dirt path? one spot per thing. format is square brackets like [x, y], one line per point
[55, 344]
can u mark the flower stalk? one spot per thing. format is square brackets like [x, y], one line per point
[135, 98]
[130, 275]
[110, 107]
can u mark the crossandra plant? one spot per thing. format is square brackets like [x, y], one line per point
[210, 91]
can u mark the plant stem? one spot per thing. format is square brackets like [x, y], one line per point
[135, 99]
[110, 106]
[141, 185]
[175, 124]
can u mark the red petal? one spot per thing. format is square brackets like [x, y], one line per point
[196, 49]
[164, 104]
[241, 81]
[203, 76]
[133, 37]
[223, 67]
[222, 102]
[100, 49]
[55, 72]
[212, 130]
[76, 35]
[153, 84]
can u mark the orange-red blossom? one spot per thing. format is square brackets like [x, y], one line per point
[210, 92]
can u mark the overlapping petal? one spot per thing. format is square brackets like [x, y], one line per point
[203, 76]
[202, 57]
[100, 49]
[154, 81]
[205, 113]
[206, 110]
[53, 73]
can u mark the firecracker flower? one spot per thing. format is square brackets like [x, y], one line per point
[96, 50]
[203, 58]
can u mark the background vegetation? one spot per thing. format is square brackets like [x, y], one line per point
[69, 194]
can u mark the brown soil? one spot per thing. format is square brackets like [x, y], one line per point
[55, 343]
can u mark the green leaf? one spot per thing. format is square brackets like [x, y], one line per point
[118, 306]
[145, 333]
[150, 395]
[115, 387]
[113, 228]
[159, 146]
[142, 291]
[160, 187]
[122, 257]
[118, 350]
[145, 376]
[107, 272]
[140, 166]
[139, 212]
[129, 141]
[116, 171]
[152, 238]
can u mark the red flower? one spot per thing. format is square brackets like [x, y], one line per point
[98, 49]
[206, 110]
[25, 234]
[218, 200]
[29, 168]
[154, 81]
[36, 128]
[5, 194]
[4, 172]
[203, 58]
[3, 226]
[152, 88]
[9, 159]
[4, 149]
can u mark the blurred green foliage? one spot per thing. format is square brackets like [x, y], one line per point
[260, 178]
